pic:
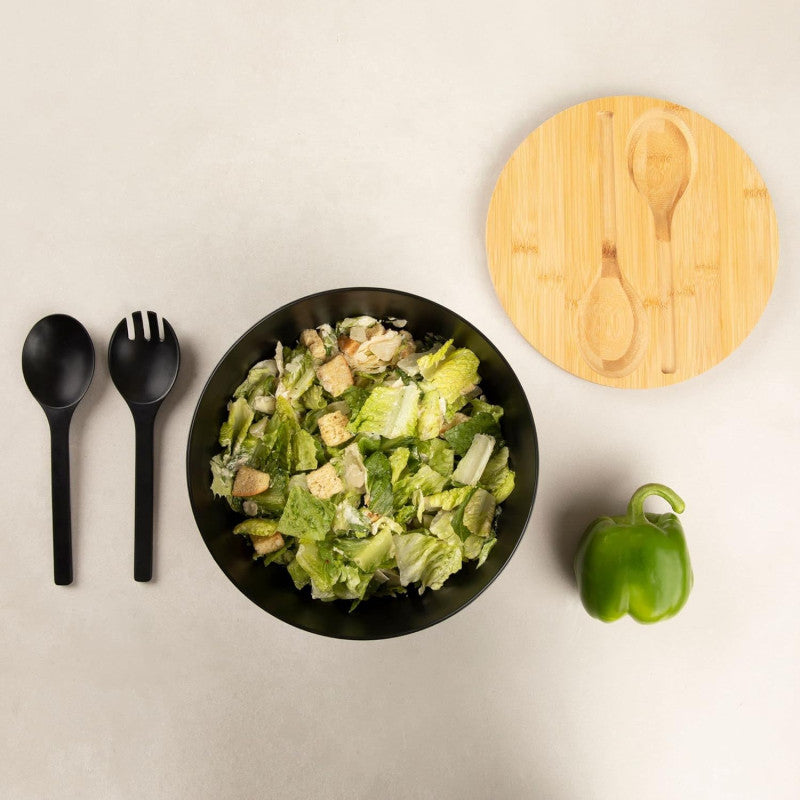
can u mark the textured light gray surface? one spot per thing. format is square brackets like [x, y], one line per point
[213, 161]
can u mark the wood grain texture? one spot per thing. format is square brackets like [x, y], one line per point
[544, 237]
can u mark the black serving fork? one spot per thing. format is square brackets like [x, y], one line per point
[144, 369]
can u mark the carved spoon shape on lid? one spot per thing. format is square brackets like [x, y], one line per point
[612, 323]
[660, 163]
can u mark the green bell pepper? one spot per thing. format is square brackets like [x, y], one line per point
[636, 564]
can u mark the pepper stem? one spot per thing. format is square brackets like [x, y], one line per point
[636, 505]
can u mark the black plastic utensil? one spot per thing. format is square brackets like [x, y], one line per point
[143, 370]
[58, 366]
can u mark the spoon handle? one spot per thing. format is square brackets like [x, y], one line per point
[143, 514]
[62, 517]
[666, 303]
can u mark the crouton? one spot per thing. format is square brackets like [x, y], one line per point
[324, 482]
[348, 346]
[335, 375]
[264, 545]
[249, 481]
[312, 340]
[333, 428]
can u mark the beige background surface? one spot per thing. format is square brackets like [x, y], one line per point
[213, 161]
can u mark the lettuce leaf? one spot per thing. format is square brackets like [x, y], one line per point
[299, 576]
[426, 480]
[479, 513]
[234, 429]
[305, 516]
[456, 374]
[355, 397]
[472, 465]
[274, 499]
[370, 553]
[298, 375]
[316, 559]
[497, 477]
[485, 550]
[437, 455]
[261, 380]
[428, 363]
[441, 526]
[425, 559]
[390, 411]
[313, 399]
[431, 415]
[448, 500]
[460, 436]
[379, 483]
[221, 477]
[482, 407]
[398, 459]
[351, 519]
[354, 473]
[257, 527]
[305, 451]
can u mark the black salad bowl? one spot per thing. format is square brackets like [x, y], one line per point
[271, 587]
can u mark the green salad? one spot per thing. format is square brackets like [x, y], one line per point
[364, 461]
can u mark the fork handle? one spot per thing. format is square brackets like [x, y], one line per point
[143, 514]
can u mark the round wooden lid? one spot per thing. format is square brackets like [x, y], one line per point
[632, 242]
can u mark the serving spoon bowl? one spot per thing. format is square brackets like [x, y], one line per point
[58, 366]
[143, 368]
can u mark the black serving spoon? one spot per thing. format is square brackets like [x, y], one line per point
[58, 366]
[144, 371]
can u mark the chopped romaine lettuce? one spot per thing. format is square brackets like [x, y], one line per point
[471, 466]
[257, 527]
[437, 455]
[456, 374]
[354, 473]
[305, 451]
[460, 436]
[425, 559]
[449, 499]
[431, 415]
[234, 429]
[485, 550]
[298, 375]
[370, 553]
[389, 411]
[379, 484]
[349, 518]
[398, 459]
[425, 479]
[306, 516]
[479, 513]
[497, 477]
[222, 477]
[422, 474]
[428, 363]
